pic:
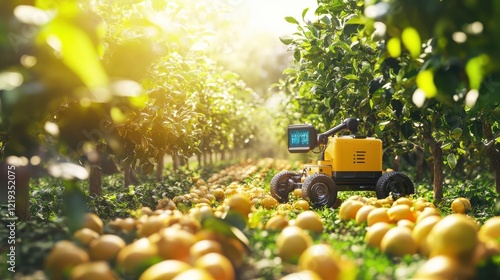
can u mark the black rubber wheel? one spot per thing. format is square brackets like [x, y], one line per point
[395, 183]
[280, 185]
[320, 189]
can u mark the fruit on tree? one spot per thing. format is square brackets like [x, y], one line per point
[291, 242]
[398, 242]
[321, 259]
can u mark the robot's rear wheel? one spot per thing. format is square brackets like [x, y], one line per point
[281, 185]
[395, 183]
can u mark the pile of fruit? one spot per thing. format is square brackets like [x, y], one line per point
[206, 234]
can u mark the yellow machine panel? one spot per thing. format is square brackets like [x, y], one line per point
[354, 154]
[324, 167]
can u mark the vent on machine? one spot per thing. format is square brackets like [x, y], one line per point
[359, 157]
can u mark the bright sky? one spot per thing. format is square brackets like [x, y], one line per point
[269, 14]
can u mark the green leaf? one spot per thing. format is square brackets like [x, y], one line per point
[304, 12]
[351, 77]
[456, 133]
[76, 50]
[291, 20]
[412, 42]
[286, 41]
[452, 160]
[355, 20]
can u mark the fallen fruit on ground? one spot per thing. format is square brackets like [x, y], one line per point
[164, 270]
[321, 259]
[291, 242]
[398, 242]
[309, 220]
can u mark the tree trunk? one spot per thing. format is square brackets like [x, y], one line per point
[420, 162]
[95, 178]
[437, 154]
[160, 165]
[198, 157]
[130, 178]
[493, 153]
[396, 162]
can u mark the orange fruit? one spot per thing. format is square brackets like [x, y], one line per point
[375, 233]
[239, 203]
[403, 200]
[218, 193]
[309, 220]
[93, 270]
[400, 212]
[204, 247]
[301, 204]
[151, 225]
[398, 242]
[406, 223]
[92, 221]
[362, 214]
[136, 256]
[217, 265]
[174, 243]
[378, 215]
[128, 224]
[302, 275]
[85, 235]
[349, 209]
[420, 232]
[321, 259]
[194, 273]
[461, 205]
[291, 242]
[490, 229]
[297, 193]
[445, 267]
[428, 211]
[164, 270]
[269, 202]
[63, 257]
[277, 222]
[454, 235]
[106, 247]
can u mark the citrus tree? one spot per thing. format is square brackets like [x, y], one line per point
[370, 62]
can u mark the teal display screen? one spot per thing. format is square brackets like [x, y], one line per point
[301, 138]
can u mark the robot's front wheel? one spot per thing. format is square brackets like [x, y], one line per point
[320, 189]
